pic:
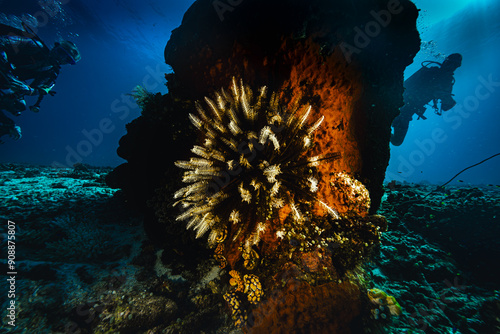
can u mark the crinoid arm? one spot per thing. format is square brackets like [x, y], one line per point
[253, 159]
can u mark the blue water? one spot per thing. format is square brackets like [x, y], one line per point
[122, 46]
[471, 129]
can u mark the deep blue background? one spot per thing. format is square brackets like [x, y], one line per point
[122, 46]
[473, 135]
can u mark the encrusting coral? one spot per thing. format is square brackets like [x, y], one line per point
[383, 302]
[250, 286]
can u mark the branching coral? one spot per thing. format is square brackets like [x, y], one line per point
[254, 159]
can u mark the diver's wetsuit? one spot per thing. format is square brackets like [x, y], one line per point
[28, 67]
[424, 86]
[22, 58]
[31, 61]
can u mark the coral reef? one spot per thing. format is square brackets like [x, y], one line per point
[445, 218]
[442, 286]
[441, 268]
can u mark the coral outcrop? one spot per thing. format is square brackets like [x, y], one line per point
[252, 184]
[282, 170]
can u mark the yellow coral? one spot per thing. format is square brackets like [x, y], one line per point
[251, 259]
[237, 313]
[219, 257]
[236, 280]
[253, 288]
[377, 296]
[249, 285]
[393, 306]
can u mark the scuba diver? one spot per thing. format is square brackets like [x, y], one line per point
[428, 85]
[28, 68]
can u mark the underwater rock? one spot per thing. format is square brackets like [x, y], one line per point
[137, 313]
[322, 52]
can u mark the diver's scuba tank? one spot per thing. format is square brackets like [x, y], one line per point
[428, 63]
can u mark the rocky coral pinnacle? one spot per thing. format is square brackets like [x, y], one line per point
[252, 160]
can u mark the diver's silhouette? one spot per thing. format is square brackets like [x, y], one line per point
[428, 85]
[28, 67]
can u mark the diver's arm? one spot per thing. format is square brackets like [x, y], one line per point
[42, 85]
[444, 93]
[45, 81]
[17, 42]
